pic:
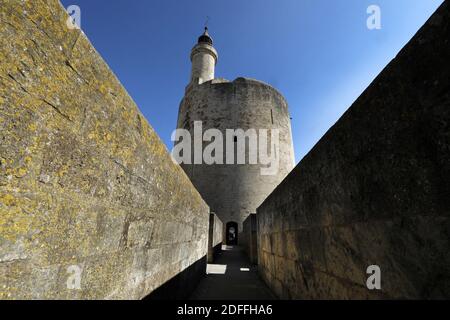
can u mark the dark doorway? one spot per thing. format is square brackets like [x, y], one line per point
[232, 233]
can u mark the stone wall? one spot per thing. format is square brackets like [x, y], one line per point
[374, 191]
[249, 238]
[215, 237]
[86, 186]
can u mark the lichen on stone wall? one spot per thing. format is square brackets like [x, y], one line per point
[84, 179]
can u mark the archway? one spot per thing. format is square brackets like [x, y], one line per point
[232, 233]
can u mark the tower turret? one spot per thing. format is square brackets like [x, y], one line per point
[204, 58]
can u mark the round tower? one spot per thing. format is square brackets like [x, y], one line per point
[234, 189]
[204, 58]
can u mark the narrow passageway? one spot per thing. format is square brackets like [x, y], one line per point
[232, 277]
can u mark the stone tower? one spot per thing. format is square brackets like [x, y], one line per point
[233, 191]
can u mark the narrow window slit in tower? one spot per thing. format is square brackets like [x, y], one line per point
[271, 115]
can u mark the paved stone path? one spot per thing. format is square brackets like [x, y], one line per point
[232, 277]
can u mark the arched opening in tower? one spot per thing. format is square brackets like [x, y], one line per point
[232, 233]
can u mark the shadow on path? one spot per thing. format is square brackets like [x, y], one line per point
[232, 277]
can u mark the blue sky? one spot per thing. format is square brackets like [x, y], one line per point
[318, 53]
